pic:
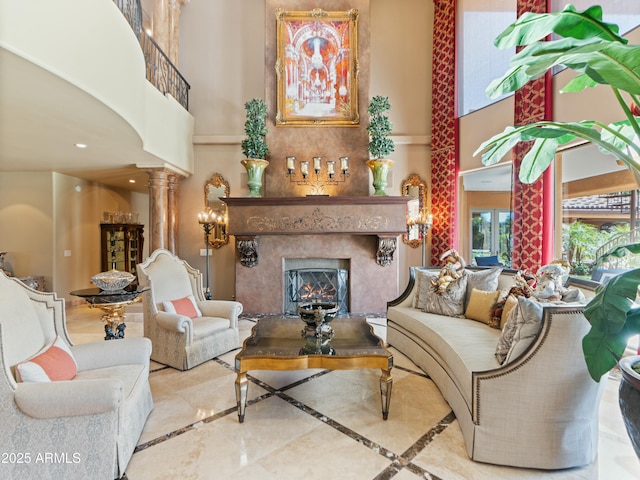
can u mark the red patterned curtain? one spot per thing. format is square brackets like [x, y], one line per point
[532, 232]
[444, 131]
[532, 204]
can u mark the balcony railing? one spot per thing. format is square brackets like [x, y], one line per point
[160, 71]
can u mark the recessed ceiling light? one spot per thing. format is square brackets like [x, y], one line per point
[132, 180]
[81, 145]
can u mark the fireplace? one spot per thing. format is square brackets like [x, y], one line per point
[325, 285]
[361, 232]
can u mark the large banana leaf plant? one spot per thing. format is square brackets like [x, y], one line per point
[594, 49]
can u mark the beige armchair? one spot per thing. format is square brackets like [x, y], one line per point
[82, 427]
[184, 339]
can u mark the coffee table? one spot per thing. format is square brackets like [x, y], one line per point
[279, 344]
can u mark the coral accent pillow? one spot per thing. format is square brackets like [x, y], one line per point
[54, 362]
[480, 305]
[183, 306]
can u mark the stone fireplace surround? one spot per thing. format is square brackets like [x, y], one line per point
[351, 228]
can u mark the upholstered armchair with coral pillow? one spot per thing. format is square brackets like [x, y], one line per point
[185, 328]
[68, 411]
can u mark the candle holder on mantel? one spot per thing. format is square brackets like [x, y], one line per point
[324, 177]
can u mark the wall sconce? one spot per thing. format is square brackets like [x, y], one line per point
[211, 222]
[423, 220]
[322, 179]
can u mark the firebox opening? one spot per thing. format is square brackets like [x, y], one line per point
[324, 281]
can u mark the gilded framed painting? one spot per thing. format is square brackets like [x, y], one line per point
[317, 68]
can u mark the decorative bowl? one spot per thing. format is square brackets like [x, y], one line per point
[113, 280]
[316, 314]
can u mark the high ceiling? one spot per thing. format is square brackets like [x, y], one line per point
[43, 117]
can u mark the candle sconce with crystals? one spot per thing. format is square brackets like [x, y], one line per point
[422, 221]
[317, 177]
[214, 224]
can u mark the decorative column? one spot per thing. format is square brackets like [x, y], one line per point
[172, 212]
[174, 30]
[161, 12]
[530, 237]
[158, 208]
[444, 131]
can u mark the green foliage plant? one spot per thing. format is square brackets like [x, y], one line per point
[588, 46]
[379, 128]
[255, 127]
[600, 56]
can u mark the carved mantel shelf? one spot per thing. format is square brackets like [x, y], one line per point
[383, 216]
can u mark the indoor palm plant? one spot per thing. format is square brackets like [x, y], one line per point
[254, 146]
[601, 56]
[380, 145]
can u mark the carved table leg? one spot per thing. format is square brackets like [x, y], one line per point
[241, 394]
[386, 383]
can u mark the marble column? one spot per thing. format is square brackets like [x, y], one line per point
[172, 215]
[158, 208]
[174, 30]
[161, 23]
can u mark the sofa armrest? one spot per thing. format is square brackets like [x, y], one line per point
[552, 370]
[173, 321]
[221, 308]
[90, 356]
[68, 398]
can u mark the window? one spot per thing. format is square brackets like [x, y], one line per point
[479, 22]
[491, 234]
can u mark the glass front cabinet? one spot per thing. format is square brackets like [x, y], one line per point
[121, 246]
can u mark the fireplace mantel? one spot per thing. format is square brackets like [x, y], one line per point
[382, 216]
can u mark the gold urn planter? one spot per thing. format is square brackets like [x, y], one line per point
[380, 168]
[255, 169]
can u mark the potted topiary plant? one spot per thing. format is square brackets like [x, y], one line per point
[380, 145]
[600, 55]
[255, 146]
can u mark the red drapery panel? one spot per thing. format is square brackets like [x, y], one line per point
[444, 131]
[532, 233]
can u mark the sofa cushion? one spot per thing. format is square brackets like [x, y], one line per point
[54, 362]
[485, 280]
[422, 276]
[205, 326]
[183, 306]
[130, 375]
[480, 305]
[509, 304]
[528, 323]
[449, 303]
[459, 345]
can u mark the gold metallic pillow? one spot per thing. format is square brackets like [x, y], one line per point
[480, 305]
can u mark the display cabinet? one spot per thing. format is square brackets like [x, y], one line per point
[121, 246]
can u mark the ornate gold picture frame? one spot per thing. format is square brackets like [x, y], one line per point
[317, 68]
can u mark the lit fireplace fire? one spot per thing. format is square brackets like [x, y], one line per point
[316, 285]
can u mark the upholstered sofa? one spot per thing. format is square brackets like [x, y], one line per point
[79, 428]
[539, 409]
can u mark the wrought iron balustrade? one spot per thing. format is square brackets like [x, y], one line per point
[160, 71]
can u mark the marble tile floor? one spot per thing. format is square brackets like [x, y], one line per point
[316, 424]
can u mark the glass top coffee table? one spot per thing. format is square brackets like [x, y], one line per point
[280, 344]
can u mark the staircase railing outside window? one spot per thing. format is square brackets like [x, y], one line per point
[161, 72]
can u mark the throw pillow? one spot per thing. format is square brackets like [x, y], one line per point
[509, 304]
[506, 336]
[423, 281]
[54, 362]
[486, 280]
[449, 303]
[480, 305]
[183, 306]
[528, 323]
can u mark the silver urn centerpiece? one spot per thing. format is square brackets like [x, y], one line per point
[317, 316]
